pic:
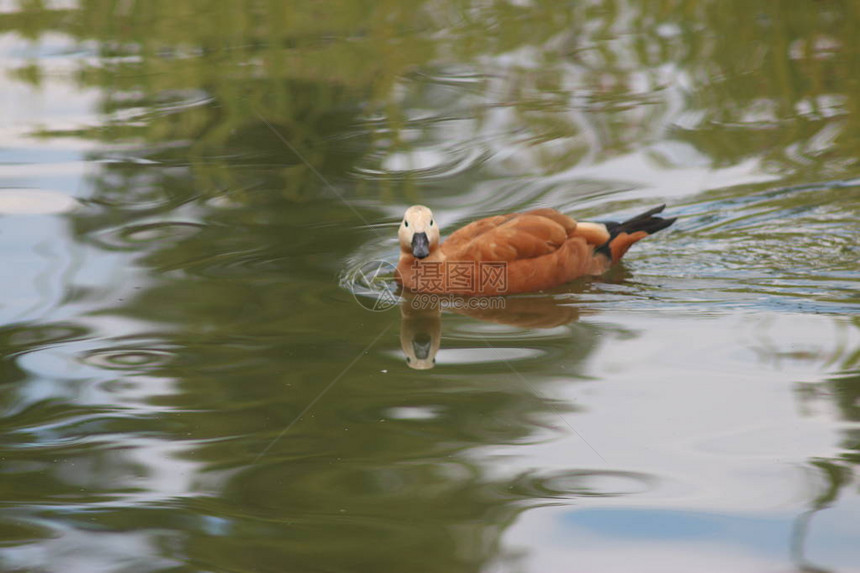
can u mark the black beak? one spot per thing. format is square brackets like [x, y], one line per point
[421, 345]
[420, 245]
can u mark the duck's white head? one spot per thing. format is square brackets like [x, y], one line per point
[418, 233]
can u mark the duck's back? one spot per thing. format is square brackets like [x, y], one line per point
[510, 237]
[538, 248]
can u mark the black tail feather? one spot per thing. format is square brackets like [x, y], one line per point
[643, 222]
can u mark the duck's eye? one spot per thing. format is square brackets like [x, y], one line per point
[405, 223]
[431, 222]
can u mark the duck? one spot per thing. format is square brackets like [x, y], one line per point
[513, 253]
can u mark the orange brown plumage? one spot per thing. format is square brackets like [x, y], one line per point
[537, 250]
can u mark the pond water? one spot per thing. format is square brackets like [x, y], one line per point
[192, 379]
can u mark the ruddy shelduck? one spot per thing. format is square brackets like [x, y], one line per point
[514, 253]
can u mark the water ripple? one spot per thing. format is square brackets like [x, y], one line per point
[786, 248]
[128, 358]
[423, 163]
[134, 236]
[33, 337]
[581, 483]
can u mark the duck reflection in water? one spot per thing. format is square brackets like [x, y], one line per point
[421, 319]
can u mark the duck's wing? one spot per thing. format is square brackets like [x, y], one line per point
[510, 237]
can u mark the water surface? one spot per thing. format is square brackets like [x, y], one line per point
[192, 381]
